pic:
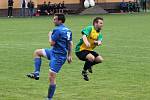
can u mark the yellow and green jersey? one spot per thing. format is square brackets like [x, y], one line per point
[92, 35]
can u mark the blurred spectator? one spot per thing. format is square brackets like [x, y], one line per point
[44, 8]
[23, 7]
[133, 7]
[144, 5]
[63, 7]
[30, 8]
[137, 6]
[123, 6]
[130, 6]
[10, 8]
[49, 8]
[59, 8]
[55, 8]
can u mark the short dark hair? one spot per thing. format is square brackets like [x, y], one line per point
[60, 17]
[96, 19]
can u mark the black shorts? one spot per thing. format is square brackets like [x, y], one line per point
[82, 54]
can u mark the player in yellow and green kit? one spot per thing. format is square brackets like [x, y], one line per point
[91, 37]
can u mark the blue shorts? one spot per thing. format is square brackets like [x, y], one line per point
[56, 60]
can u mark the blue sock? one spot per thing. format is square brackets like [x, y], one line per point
[37, 65]
[51, 91]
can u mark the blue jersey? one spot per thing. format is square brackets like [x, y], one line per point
[61, 35]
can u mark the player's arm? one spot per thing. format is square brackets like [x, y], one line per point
[69, 57]
[52, 43]
[70, 46]
[85, 33]
[99, 41]
[85, 40]
[53, 37]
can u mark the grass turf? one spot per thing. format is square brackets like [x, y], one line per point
[124, 75]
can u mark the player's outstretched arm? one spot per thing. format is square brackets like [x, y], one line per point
[69, 56]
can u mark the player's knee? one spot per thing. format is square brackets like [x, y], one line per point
[91, 58]
[52, 77]
[99, 59]
[38, 52]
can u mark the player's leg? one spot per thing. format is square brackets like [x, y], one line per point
[55, 66]
[97, 59]
[91, 59]
[38, 53]
[11, 11]
[88, 63]
[8, 11]
[86, 56]
[52, 85]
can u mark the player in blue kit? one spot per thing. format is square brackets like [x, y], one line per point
[61, 41]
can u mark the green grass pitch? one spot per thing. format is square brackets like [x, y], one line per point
[124, 74]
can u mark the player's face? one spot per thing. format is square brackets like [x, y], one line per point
[56, 21]
[99, 25]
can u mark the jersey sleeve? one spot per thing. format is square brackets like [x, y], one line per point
[100, 37]
[86, 31]
[55, 35]
[69, 36]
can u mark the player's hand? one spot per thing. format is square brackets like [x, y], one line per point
[69, 59]
[98, 43]
[87, 44]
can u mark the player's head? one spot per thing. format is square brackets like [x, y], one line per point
[98, 23]
[59, 19]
